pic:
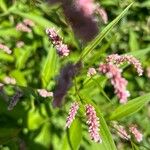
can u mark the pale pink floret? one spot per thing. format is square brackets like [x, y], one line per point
[20, 44]
[1, 85]
[23, 27]
[119, 59]
[86, 6]
[93, 123]
[9, 80]
[91, 72]
[121, 131]
[72, 113]
[28, 22]
[5, 48]
[62, 49]
[138, 136]
[119, 83]
[44, 93]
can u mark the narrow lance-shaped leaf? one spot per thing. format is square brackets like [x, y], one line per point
[103, 34]
[107, 141]
[73, 136]
[131, 107]
[49, 67]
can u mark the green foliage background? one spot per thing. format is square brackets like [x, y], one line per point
[33, 123]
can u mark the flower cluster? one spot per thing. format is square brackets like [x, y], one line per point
[25, 26]
[92, 120]
[28, 22]
[117, 59]
[44, 93]
[91, 72]
[62, 49]
[72, 113]
[19, 44]
[122, 132]
[93, 123]
[110, 68]
[9, 80]
[5, 48]
[138, 136]
[119, 83]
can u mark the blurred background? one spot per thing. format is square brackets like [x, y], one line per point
[33, 123]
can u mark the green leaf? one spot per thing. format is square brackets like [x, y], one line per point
[44, 137]
[103, 34]
[107, 141]
[36, 18]
[6, 57]
[24, 56]
[140, 53]
[49, 67]
[19, 76]
[133, 43]
[131, 107]
[73, 136]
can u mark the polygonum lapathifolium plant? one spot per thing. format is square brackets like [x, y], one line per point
[46, 70]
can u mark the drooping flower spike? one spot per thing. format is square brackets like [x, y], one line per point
[93, 123]
[119, 59]
[119, 83]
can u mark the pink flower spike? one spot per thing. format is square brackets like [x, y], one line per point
[138, 136]
[23, 27]
[5, 48]
[119, 83]
[62, 49]
[122, 132]
[9, 80]
[93, 123]
[117, 59]
[20, 44]
[44, 93]
[91, 72]
[28, 22]
[72, 113]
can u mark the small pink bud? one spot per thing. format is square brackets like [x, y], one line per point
[91, 72]
[44, 93]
